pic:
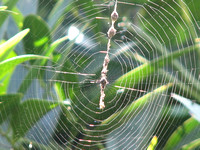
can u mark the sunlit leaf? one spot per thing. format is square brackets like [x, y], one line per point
[153, 143]
[8, 64]
[8, 45]
[18, 18]
[3, 8]
[8, 11]
[194, 108]
[5, 77]
[53, 47]
[3, 15]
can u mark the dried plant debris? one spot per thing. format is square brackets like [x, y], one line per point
[103, 81]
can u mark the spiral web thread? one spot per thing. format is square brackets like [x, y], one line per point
[138, 40]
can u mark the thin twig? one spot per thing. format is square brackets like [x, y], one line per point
[103, 81]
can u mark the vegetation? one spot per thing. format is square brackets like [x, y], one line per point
[50, 80]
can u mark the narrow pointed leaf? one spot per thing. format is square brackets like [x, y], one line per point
[8, 45]
[192, 145]
[5, 76]
[138, 74]
[18, 18]
[9, 11]
[136, 105]
[34, 72]
[3, 15]
[188, 127]
[51, 49]
[3, 8]
[190, 105]
[153, 143]
[14, 61]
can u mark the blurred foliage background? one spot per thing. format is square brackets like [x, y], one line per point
[49, 89]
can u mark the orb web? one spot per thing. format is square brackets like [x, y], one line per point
[146, 32]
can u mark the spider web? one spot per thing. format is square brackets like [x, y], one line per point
[146, 31]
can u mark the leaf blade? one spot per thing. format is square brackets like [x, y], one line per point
[24, 118]
[8, 45]
[10, 63]
[141, 72]
[39, 38]
[8, 104]
[139, 103]
[178, 135]
[192, 145]
[4, 15]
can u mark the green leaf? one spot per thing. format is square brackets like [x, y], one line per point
[136, 105]
[184, 73]
[39, 37]
[170, 77]
[8, 104]
[192, 145]
[8, 45]
[29, 112]
[34, 72]
[3, 8]
[152, 22]
[18, 18]
[8, 64]
[3, 15]
[5, 82]
[51, 48]
[181, 133]
[59, 91]
[5, 76]
[142, 2]
[138, 74]
[123, 116]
